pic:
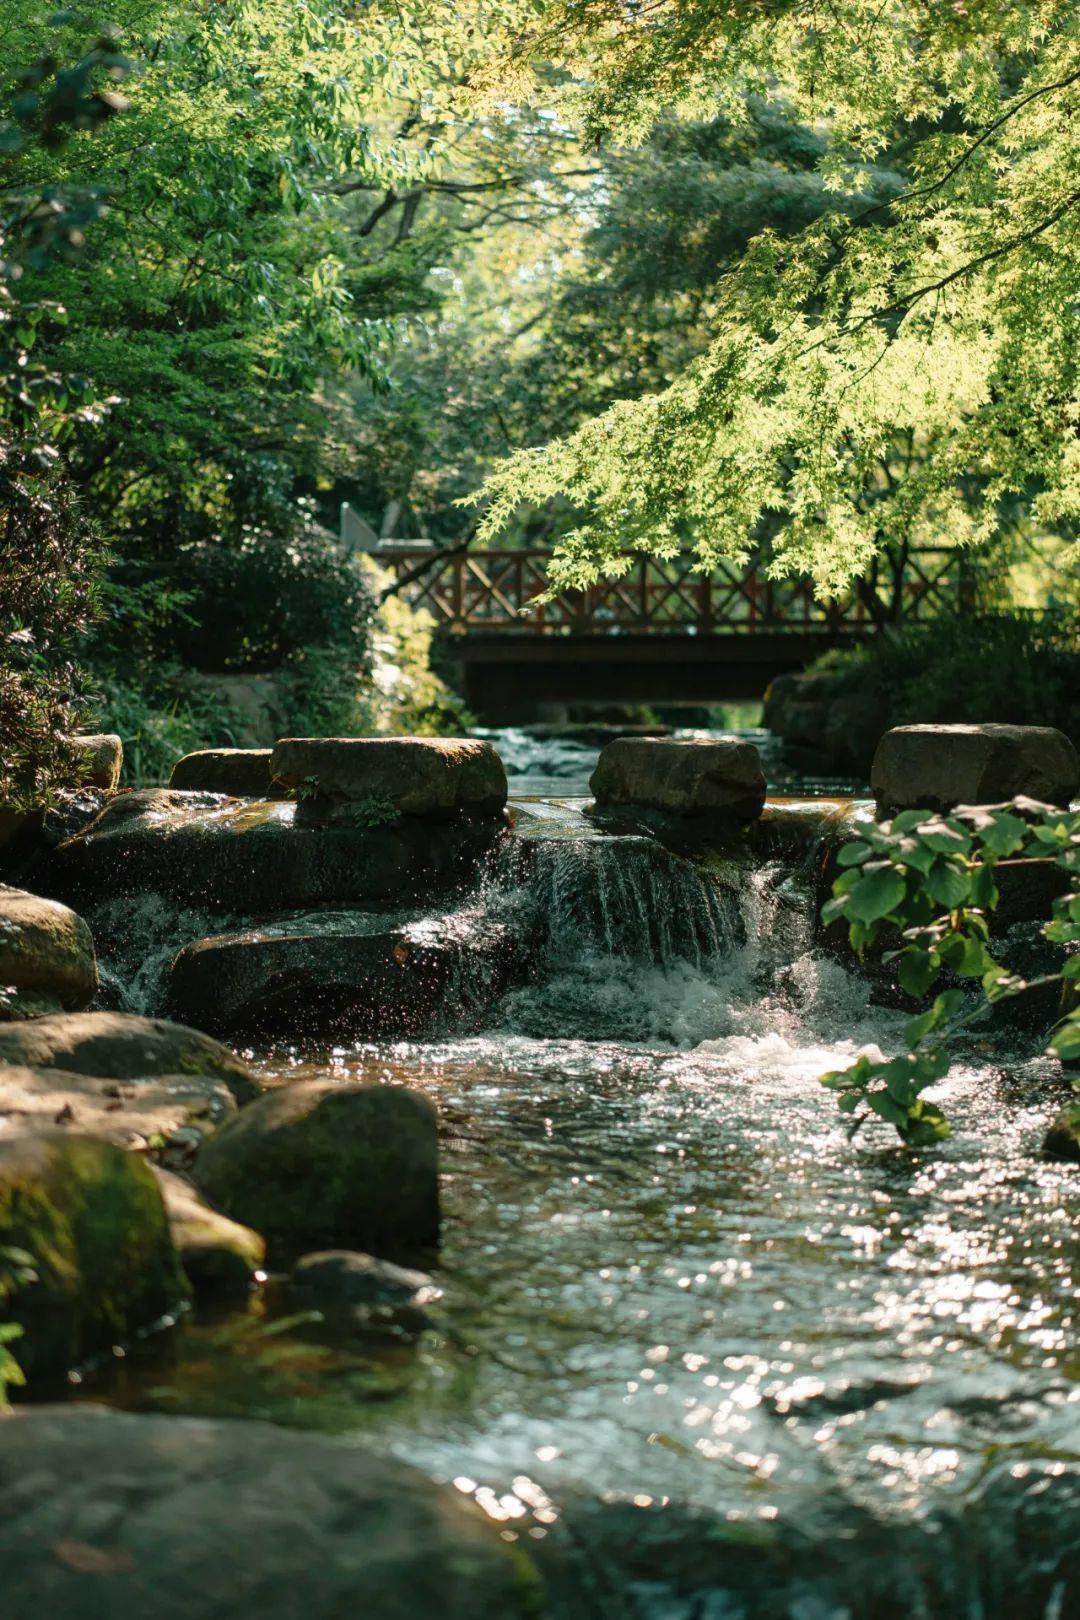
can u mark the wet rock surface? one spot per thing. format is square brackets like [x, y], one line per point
[167, 1116]
[112, 1515]
[220, 1257]
[414, 776]
[238, 772]
[715, 780]
[123, 1046]
[318, 1163]
[940, 766]
[358, 1291]
[46, 956]
[101, 1263]
[355, 973]
[257, 856]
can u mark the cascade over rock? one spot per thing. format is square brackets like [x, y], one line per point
[361, 973]
[255, 857]
[258, 856]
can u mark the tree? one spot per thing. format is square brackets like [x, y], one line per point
[49, 553]
[946, 313]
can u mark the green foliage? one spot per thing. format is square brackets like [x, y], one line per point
[49, 552]
[943, 318]
[16, 1269]
[1017, 668]
[934, 878]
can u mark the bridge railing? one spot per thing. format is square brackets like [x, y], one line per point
[476, 591]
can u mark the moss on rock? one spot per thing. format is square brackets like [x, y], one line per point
[102, 1263]
[321, 1164]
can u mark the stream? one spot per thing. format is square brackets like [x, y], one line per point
[709, 1358]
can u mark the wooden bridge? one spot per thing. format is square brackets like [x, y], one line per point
[661, 632]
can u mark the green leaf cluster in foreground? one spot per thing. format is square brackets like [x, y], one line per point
[933, 880]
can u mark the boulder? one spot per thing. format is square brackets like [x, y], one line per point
[46, 956]
[414, 776]
[242, 773]
[220, 1257]
[325, 1164]
[100, 759]
[245, 856]
[348, 972]
[123, 1046]
[721, 781]
[853, 729]
[101, 1259]
[1062, 1140]
[168, 1117]
[938, 767]
[113, 1515]
[358, 1291]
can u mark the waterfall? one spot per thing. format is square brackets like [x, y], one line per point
[623, 897]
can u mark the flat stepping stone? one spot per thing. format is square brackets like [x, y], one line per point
[414, 776]
[720, 780]
[243, 773]
[938, 767]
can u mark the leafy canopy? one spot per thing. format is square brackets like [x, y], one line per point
[945, 314]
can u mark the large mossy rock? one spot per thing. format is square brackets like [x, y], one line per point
[939, 767]
[46, 956]
[242, 773]
[415, 776]
[102, 1261]
[123, 1046]
[320, 1164]
[717, 781]
[167, 1117]
[118, 1516]
[253, 857]
[343, 972]
[220, 1257]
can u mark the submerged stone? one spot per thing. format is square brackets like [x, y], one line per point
[101, 1262]
[358, 1291]
[123, 1046]
[414, 776]
[321, 1163]
[716, 780]
[256, 856]
[242, 773]
[360, 973]
[220, 1257]
[46, 956]
[940, 766]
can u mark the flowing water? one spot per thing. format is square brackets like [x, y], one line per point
[705, 1356]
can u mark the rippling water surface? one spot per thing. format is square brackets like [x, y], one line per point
[715, 1358]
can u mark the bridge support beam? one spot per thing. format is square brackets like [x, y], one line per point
[505, 677]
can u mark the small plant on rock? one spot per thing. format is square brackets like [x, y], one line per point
[934, 878]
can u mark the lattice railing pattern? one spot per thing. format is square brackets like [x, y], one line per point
[499, 590]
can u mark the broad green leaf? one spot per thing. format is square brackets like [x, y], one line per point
[876, 894]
